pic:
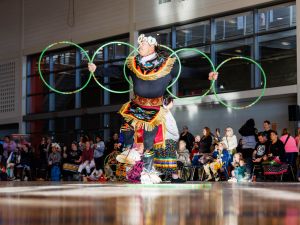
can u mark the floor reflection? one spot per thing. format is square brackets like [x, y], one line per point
[205, 203]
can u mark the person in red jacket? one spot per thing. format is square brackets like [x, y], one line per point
[87, 159]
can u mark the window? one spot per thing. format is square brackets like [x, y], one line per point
[234, 26]
[235, 75]
[37, 103]
[163, 37]
[192, 34]
[194, 76]
[278, 58]
[277, 17]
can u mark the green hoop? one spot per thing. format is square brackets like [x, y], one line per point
[48, 85]
[211, 64]
[96, 52]
[262, 91]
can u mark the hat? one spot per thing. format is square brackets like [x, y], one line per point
[56, 145]
[151, 40]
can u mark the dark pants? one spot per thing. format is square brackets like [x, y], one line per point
[291, 158]
[247, 155]
[99, 162]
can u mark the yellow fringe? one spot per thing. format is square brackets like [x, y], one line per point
[165, 70]
[148, 126]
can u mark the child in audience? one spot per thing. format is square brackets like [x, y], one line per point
[239, 171]
[54, 162]
[221, 158]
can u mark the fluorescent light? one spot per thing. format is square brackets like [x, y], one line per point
[285, 43]
[279, 18]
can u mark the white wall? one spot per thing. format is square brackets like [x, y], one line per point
[10, 29]
[46, 22]
[150, 13]
[10, 52]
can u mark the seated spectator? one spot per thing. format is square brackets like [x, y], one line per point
[55, 162]
[12, 161]
[290, 147]
[267, 129]
[230, 141]
[221, 158]
[8, 147]
[1, 152]
[87, 159]
[261, 149]
[259, 153]
[3, 174]
[206, 141]
[239, 172]
[217, 136]
[183, 156]
[43, 149]
[71, 161]
[99, 157]
[274, 161]
[26, 158]
[248, 132]
[195, 150]
[187, 137]
[297, 139]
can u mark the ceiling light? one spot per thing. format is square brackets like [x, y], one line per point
[285, 43]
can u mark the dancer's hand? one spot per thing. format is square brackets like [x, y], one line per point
[92, 67]
[213, 75]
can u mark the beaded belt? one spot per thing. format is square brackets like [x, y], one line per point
[148, 101]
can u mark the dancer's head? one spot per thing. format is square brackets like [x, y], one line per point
[146, 45]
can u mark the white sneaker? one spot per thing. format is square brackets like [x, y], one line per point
[208, 179]
[232, 180]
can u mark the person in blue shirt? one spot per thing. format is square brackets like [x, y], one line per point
[221, 159]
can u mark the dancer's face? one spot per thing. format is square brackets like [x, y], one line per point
[146, 49]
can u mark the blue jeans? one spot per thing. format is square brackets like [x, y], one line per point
[55, 173]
